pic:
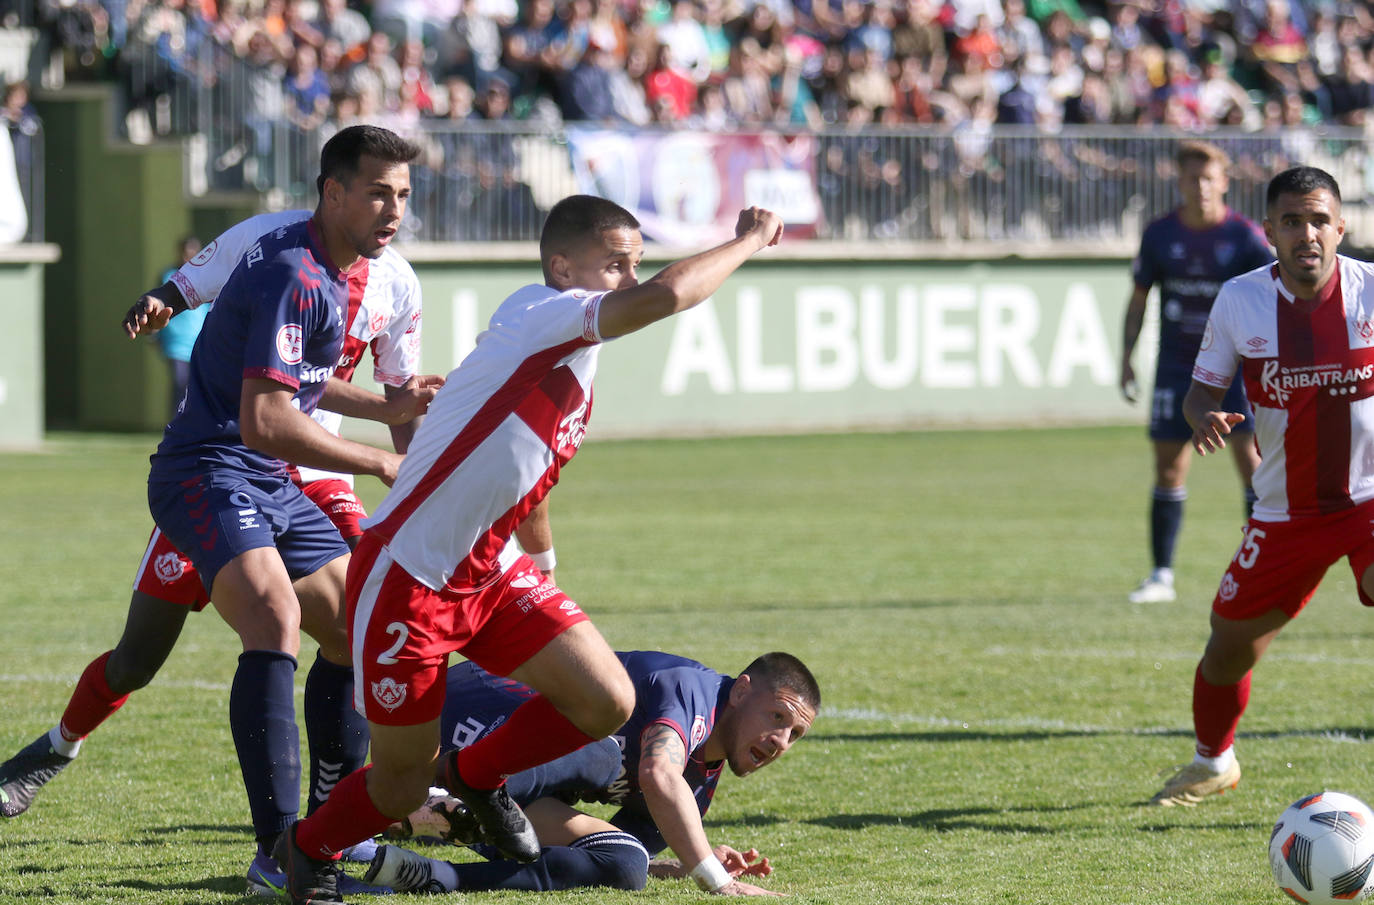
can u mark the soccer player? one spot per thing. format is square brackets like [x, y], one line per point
[1301, 332]
[435, 571]
[1189, 252]
[218, 487]
[384, 315]
[689, 722]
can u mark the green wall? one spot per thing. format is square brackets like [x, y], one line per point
[118, 212]
[21, 368]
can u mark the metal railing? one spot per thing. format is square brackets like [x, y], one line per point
[976, 182]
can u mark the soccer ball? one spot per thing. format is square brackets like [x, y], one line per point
[1322, 849]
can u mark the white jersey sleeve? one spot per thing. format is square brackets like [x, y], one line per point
[200, 279]
[1218, 356]
[396, 349]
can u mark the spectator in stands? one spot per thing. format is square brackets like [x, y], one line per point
[337, 22]
[530, 51]
[686, 36]
[23, 124]
[1351, 89]
[307, 107]
[586, 90]
[627, 87]
[667, 82]
[376, 79]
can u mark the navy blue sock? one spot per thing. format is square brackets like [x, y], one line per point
[611, 859]
[337, 733]
[262, 716]
[1166, 517]
[1250, 499]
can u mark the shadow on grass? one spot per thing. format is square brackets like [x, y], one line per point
[945, 819]
[241, 830]
[1175, 827]
[1345, 733]
[222, 885]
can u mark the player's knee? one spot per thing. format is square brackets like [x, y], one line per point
[621, 861]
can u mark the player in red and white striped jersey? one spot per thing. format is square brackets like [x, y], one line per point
[436, 571]
[1302, 333]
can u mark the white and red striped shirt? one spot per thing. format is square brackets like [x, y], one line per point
[493, 441]
[383, 309]
[1308, 368]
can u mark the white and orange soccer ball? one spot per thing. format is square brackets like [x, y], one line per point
[1322, 849]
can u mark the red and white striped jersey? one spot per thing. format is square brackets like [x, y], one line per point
[1308, 367]
[384, 309]
[493, 441]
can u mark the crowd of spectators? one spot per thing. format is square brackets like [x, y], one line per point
[952, 65]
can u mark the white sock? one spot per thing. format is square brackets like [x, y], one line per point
[61, 745]
[1219, 764]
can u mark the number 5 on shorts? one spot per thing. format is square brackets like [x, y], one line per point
[1249, 548]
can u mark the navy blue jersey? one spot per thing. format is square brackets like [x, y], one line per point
[279, 316]
[671, 690]
[1190, 265]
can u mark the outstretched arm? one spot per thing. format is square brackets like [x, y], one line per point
[689, 282]
[400, 406]
[663, 756]
[1130, 332]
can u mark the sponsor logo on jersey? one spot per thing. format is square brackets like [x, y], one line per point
[1278, 382]
[569, 607]
[1365, 329]
[315, 375]
[698, 733]
[168, 567]
[1257, 343]
[1229, 587]
[205, 255]
[254, 255]
[389, 693]
[526, 580]
[1207, 337]
[543, 592]
[572, 430]
[290, 340]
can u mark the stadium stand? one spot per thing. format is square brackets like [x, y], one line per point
[928, 119]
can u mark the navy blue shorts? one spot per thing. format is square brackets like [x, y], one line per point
[216, 517]
[1166, 406]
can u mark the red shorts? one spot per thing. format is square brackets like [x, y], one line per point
[338, 501]
[402, 632]
[167, 575]
[1279, 564]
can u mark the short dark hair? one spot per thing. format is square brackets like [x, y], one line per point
[340, 155]
[576, 219]
[781, 671]
[1300, 181]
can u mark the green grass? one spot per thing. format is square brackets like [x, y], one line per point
[995, 712]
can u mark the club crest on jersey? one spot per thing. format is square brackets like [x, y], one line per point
[1229, 587]
[376, 321]
[168, 567]
[389, 693]
[1225, 251]
[290, 342]
[698, 734]
[1176, 250]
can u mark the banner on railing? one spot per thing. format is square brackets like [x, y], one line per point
[687, 188]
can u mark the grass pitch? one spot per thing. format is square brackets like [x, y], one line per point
[995, 712]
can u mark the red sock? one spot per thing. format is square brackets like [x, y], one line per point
[1216, 713]
[92, 703]
[535, 734]
[347, 818]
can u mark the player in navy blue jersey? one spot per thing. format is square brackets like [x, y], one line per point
[219, 489]
[1189, 252]
[661, 769]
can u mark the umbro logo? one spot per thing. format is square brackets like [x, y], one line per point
[1257, 342]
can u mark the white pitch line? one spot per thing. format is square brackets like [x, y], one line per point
[862, 714]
